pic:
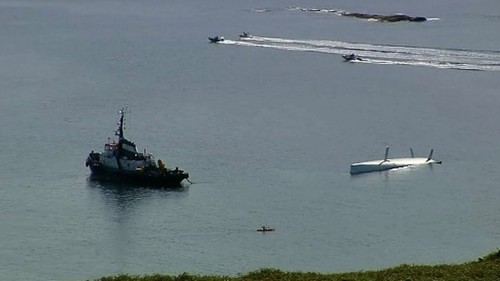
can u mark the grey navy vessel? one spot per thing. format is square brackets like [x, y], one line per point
[120, 160]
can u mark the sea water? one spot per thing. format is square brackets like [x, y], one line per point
[267, 128]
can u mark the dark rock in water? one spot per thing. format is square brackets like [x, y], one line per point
[388, 18]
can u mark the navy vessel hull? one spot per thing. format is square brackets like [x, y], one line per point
[170, 178]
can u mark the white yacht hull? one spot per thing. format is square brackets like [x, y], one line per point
[381, 165]
[391, 163]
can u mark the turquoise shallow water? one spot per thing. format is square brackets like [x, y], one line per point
[267, 131]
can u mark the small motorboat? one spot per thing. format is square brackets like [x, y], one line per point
[216, 39]
[245, 35]
[351, 57]
[265, 229]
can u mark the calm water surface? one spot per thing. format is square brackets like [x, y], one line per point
[266, 129]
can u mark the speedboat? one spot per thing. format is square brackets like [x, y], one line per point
[121, 161]
[351, 57]
[216, 39]
[245, 35]
[392, 163]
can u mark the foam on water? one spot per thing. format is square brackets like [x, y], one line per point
[384, 54]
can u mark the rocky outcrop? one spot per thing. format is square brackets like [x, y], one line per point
[382, 18]
[387, 18]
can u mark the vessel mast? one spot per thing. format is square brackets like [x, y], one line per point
[119, 130]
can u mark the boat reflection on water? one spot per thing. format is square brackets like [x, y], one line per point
[128, 194]
[123, 210]
[119, 200]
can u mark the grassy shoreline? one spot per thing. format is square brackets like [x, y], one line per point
[485, 269]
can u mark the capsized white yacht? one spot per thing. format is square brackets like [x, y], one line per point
[392, 163]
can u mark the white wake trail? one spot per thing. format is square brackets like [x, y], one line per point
[384, 54]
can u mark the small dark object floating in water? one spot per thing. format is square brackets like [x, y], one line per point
[265, 229]
[122, 162]
[216, 39]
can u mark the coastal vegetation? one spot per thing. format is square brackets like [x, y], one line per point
[485, 269]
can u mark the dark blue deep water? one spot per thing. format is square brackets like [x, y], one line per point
[266, 127]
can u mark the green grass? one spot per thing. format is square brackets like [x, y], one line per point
[484, 269]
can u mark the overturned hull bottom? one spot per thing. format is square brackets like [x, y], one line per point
[168, 179]
[383, 165]
[367, 168]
